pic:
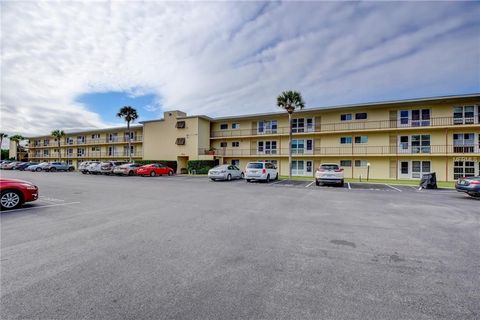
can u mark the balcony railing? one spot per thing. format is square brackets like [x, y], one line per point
[90, 155]
[75, 142]
[355, 150]
[353, 125]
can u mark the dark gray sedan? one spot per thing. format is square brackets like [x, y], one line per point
[469, 185]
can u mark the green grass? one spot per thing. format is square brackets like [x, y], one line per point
[415, 183]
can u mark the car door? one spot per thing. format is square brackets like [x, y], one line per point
[232, 172]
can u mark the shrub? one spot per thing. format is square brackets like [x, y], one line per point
[201, 166]
[169, 163]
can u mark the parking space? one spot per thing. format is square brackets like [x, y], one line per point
[176, 246]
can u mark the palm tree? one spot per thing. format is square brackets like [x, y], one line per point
[290, 100]
[2, 135]
[58, 135]
[129, 114]
[17, 138]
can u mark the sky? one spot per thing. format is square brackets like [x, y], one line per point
[72, 65]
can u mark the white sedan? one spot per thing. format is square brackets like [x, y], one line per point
[225, 172]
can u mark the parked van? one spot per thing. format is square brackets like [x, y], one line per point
[264, 171]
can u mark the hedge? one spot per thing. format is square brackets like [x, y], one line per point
[169, 163]
[201, 166]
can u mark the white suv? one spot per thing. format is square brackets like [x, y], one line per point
[261, 171]
[329, 173]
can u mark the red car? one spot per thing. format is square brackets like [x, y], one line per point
[154, 169]
[14, 193]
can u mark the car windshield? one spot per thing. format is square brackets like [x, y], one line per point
[329, 166]
[255, 165]
[219, 167]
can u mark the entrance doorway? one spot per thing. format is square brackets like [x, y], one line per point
[182, 165]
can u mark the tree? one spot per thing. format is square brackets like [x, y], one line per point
[17, 138]
[2, 135]
[58, 134]
[290, 100]
[129, 114]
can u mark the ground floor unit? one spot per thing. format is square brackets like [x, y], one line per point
[446, 168]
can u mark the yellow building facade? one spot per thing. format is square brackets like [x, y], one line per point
[389, 140]
[99, 144]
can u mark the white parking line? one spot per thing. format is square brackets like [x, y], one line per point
[277, 182]
[45, 206]
[308, 185]
[349, 187]
[393, 188]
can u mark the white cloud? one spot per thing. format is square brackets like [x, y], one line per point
[227, 58]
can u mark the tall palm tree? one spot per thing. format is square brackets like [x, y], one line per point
[129, 114]
[290, 100]
[2, 135]
[58, 134]
[17, 138]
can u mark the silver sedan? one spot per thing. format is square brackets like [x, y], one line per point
[225, 172]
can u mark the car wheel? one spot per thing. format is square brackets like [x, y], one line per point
[53, 169]
[342, 183]
[242, 176]
[248, 180]
[10, 199]
[212, 179]
[229, 177]
[276, 177]
[152, 174]
[70, 169]
[268, 178]
[130, 173]
[84, 172]
[473, 194]
[170, 173]
[38, 169]
[317, 182]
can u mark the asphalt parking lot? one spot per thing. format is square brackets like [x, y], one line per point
[106, 247]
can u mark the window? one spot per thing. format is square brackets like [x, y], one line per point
[267, 147]
[421, 143]
[180, 141]
[361, 163]
[463, 142]
[404, 143]
[464, 115]
[95, 136]
[345, 163]
[235, 125]
[46, 142]
[298, 167]
[298, 125]
[235, 144]
[404, 117]
[361, 139]
[266, 127]
[404, 167]
[224, 126]
[223, 144]
[95, 149]
[235, 162]
[80, 152]
[69, 140]
[298, 146]
[80, 139]
[346, 117]
[112, 137]
[345, 140]
[420, 117]
[420, 168]
[45, 152]
[310, 126]
[361, 116]
[70, 151]
[463, 169]
[125, 150]
[180, 124]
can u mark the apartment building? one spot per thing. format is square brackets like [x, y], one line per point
[391, 140]
[75, 147]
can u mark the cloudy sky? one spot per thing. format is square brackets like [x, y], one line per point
[72, 65]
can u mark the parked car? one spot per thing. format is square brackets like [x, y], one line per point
[265, 171]
[83, 166]
[154, 169]
[9, 165]
[24, 165]
[225, 172]
[470, 186]
[329, 173]
[128, 169]
[58, 166]
[5, 163]
[18, 164]
[14, 193]
[37, 167]
[108, 166]
[94, 167]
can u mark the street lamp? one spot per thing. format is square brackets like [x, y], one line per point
[368, 170]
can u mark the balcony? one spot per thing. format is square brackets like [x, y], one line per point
[87, 155]
[107, 140]
[344, 151]
[350, 126]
